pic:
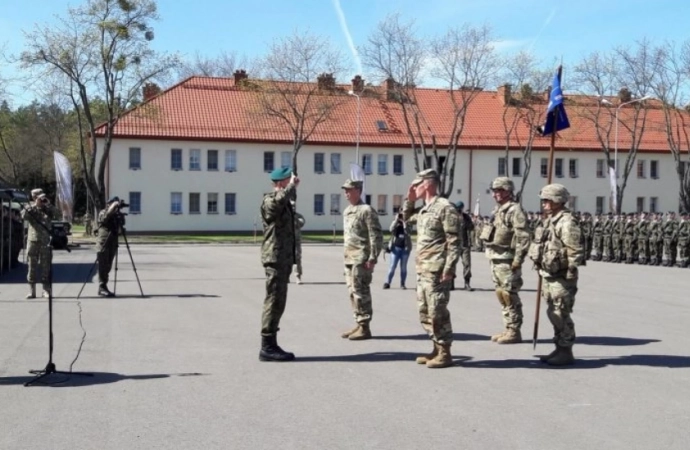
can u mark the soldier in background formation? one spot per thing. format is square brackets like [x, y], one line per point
[466, 229]
[88, 224]
[39, 215]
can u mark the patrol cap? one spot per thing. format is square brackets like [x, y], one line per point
[352, 184]
[504, 183]
[555, 192]
[428, 174]
[281, 173]
[36, 192]
[460, 205]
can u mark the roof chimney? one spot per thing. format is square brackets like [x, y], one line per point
[150, 90]
[357, 84]
[240, 75]
[390, 88]
[505, 93]
[326, 82]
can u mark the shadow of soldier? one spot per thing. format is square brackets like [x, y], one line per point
[424, 337]
[667, 361]
[76, 380]
[609, 341]
[372, 357]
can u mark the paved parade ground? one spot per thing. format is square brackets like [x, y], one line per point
[179, 368]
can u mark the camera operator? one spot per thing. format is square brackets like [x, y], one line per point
[38, 214]
[110, 220]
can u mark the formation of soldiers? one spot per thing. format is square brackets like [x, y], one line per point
[655, 239]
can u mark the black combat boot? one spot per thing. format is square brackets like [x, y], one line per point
[103, 291]
[271, 351]
[467, 285]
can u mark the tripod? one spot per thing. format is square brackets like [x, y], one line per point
[50, 366]
[123, 232]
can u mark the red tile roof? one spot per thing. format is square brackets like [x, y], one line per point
[215, 109]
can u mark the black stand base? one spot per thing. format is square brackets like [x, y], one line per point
[49, 370]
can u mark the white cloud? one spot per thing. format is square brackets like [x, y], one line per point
[348, 36]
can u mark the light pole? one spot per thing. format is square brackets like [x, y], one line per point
[351, 92]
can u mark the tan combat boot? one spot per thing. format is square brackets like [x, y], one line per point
[442, 359]
[563, 357]
[510, 336]
[361, 334]
[498, 336]
[32, 291]
[347, 334]
[425, 358]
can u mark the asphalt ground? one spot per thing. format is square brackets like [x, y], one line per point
[179, 369]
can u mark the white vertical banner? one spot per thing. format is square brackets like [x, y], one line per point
[614, 189]
[476, 206]
[357, 174]
[63, 186]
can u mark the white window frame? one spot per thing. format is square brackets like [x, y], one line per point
[135, 163]
[272, 160]
[502, 169]
[573, 168]
[367, 161]
[382, 164]
[382, 204]
[319, 200]
[641, 169]
[401, 158]
[558, 173]
[599, 208]
[233, 210]
[176, 208]
[285, 159]
[601, 168]
[519, 167]
[132, 204]
[317, 156]
[654, 175]
[335, 204]
[544, 167]
[335, 160]
[397, 203]
[197, 196]
[231, 160]
[172, 159]
[639, 204]
[195, 159]
[653, 204]
[208, 160]
[211, 203]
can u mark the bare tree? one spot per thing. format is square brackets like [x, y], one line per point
[102, 50]
[299, 89]
[671, 88]
[223, 65]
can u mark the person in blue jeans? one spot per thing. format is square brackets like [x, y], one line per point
[400, 246]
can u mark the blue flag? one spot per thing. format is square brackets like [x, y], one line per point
[556, 118]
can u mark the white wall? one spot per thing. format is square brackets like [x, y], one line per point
[156, 181]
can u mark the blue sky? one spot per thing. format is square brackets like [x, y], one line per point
[551, 29]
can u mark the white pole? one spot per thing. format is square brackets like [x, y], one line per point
[615, 152]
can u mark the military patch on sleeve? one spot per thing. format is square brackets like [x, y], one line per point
[451, 218]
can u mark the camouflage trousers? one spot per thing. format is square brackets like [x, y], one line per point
[37, 255]
[643, 250]
[507, 283]
[683, 251]
[559, 295]
[598, 245]
[298, 257]
[466, 258]
[277, 276]
[432, 302]
[105, 256]
[670, 249]
[358, 280]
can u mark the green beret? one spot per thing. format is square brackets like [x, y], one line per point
[281, 174]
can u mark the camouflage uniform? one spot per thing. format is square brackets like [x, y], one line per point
[629, 240]
[362, 243]
[39, 217]
[670, 229]
[557, 252]
[655, 239]
[88, 224]
[683, 241]
[507, 242]
[597, 238]
[587, 231]
[642, 232]
[107, 244]
[299, 224]
[438, 251]
[465, 229]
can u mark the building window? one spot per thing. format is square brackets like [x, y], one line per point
[601, 164]
[427, 162]
[231, 160]
[640, 204]
[398, 164]
[134, 158]
[572, 203]
[335, 163]
[285, 159]
[318, 204]
[502, 167]
[559, 168]
[335, 204]
[195, 159]
[230, 205]
[319, 162]
[212, 203]
[397, 203]
[654, 170]
[600, 205]
[212, 160]
[366, 164]
[176, 203]
[383, 165]
[367, 199]
[176, 159]
[194, 203]
[653, 204]
[135, 202]
[572, 168]
[269, 163]
[382, 204]
[517, 167]
[641, 169]
[544, 167]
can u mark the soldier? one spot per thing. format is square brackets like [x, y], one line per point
[683, 240]
[670, 229]
[608, 237]
[507, 242]
[438, 251]
[299, 224]
[362, 242]
[466, 228]
[39, 214]
[587, 231]
[642, 232]
[109, 221]
[597, 238]
[557, 252]
[88, 224]
[277, 257]
[629, 239]
[654, 233]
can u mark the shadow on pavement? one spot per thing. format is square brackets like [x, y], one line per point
[372, 357]
[612, 341]
[119, 296]
[424, 337]
[62, 273]
[668, 361]
[76, 380]
[324, 282]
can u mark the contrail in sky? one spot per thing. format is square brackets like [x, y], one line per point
[543, 27]
[346, 30]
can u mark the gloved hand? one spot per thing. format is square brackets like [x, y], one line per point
[572, 273]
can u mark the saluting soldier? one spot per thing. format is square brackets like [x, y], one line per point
[39, 215]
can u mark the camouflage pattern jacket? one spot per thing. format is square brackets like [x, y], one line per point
[670, 230]
[39, 220]
[510, 239]
[107, 229]
[560, 245]
[278, 219]
[438, 241]
[362, 235]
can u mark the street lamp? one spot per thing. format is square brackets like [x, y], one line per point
[351, 92]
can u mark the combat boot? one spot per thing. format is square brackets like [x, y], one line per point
[549, 356]
[103, 291]
[271, 351]
[442, 359]
[467, 285]
[347, 334]
[510, 336]
[32, 291]
[563, 357]
[46, 290]
[362, 333]
[498, 336]
[426, 358]
[299, 279]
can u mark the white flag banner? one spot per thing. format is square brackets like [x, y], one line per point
[357, 174]
[63, 186]
[614, 190]
[476, 207]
